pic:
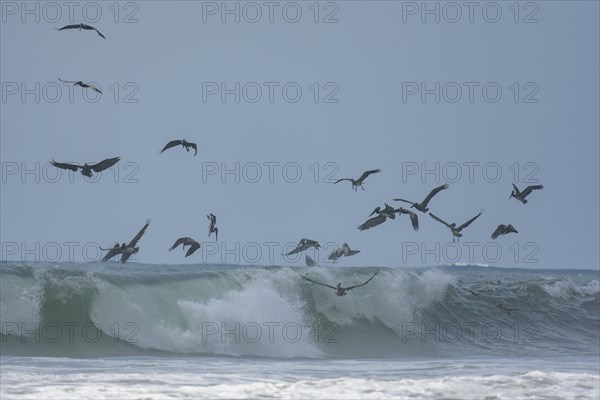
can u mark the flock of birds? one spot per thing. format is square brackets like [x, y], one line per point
[126, 250]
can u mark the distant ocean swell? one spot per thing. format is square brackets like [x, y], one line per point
[89, 310]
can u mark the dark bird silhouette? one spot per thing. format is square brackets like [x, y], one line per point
[372, 222]
[304, 244]
[183, 143]
[342, 251]
[360, 181]
[83, 85]
[414, 219]
[339, 290]
[86, 170]
[309, 261]
[82, 26]
[455, 230]
[423, 205]
[126, 250]
[212, 226]
[186, 241]
[388, 211]
[503, 230]
[521, 195]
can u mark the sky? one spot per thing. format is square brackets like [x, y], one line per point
[283, 99]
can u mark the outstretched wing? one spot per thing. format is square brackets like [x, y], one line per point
[498, 231]
[463, 226]
[72, 167]
[94, 88]
[406, 201]
[139, 234]
[62, 80]
[372, 222]
[104, 164]
[367, 173]
[193, 145]
[529, 189]
[69, 27]
[179, 241]
[193, 247]
[414, 219]
[113, 251]
[98, 32]
[433, 193]
[362, 284]
[319, 283]
[438, 219]
[172, 143]
[343, 179]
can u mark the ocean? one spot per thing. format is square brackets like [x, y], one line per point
[148, 331]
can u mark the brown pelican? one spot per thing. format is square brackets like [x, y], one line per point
[309, 261]
[372, 222]
[126, 250]
[388, 211]
[414, 219]
[304, 244]
[86, 170]
[339, 290]
[503, 230]
[183, 143]
[82, 84]
[359, 182]
[82, 26]
[187, 241]
[211, 226]
[342, 251]
[521, 195]
[423, 205]
[456, 230]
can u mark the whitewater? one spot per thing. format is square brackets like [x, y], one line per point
[103, 330]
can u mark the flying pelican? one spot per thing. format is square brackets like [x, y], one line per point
[334, 256]
[304, 244]
[342, 251]
[211, 226]
[388, 211]
[187, 241]
[456, 230]
[503, 230]
[183, 143]
[521, 195]
[83, 85]
[126, 250]
[82, 26]
[359, 182]
[414, 219]
[339, 290]
[86, 170]
[309, 261]
[423, 205]
[372, 222]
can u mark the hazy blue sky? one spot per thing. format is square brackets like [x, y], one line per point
[361, 68]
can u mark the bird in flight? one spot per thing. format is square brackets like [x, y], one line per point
[86, 169]
[360, 181]
[342, 251]
[503, 230]
[309, 261]
[414, 219]
[521, 195]
[82, 26]
[212, 226]
[372, 222]
[186, 241]
[455, 230]
[183, 143]
[304, 244]
[423, 205]
[339, 290]
[126, 250]
[83, 85]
